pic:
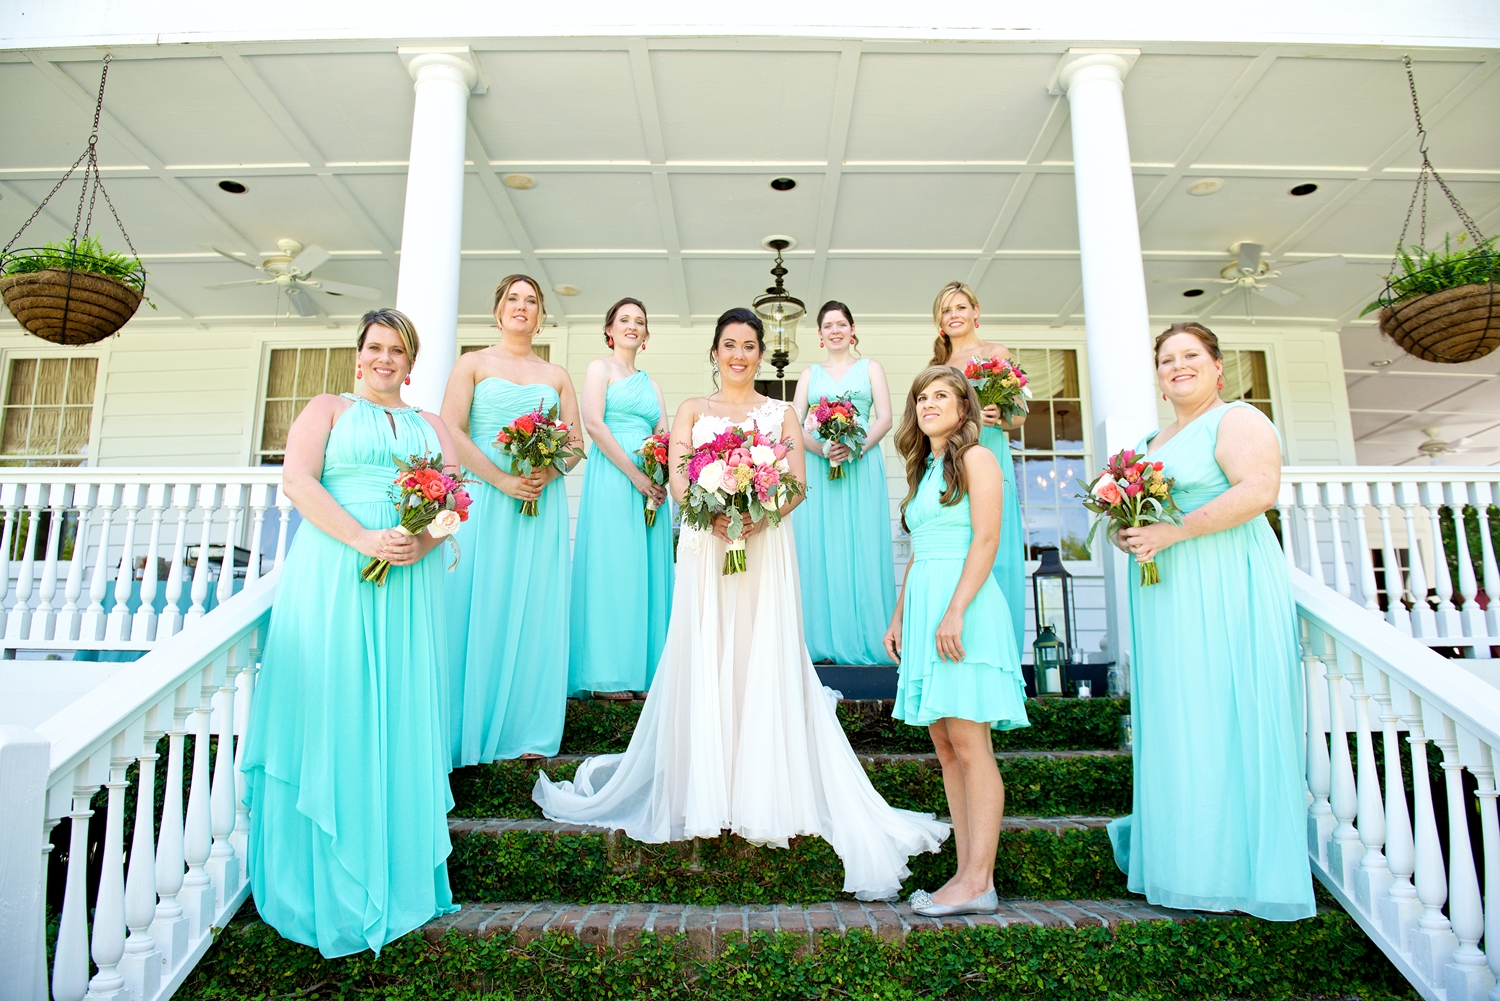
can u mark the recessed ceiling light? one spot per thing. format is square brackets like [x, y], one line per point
[565, 289]
[783, 184]
[1303, 189]
[1207, 186]
[233, 187]
[521, 182]
[1380, 362]
[791, 241]
[1193, 293]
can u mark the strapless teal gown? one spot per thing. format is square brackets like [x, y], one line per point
[508, 603]
[346, 761]
[987, 686]
[1216, 710]
[622, 570]
[1010, 558]
[844, 555]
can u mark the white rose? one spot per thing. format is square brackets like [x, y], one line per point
[810, 425]
[782, 466]
[445, 524]
[1103, 479]
[762, 455]
[711, 475]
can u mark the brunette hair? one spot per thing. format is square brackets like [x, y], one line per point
[834, 306]
[609, 318]
[541, 300]
[739, 314]
[915, 447]
[942, 348]
[398, 321]
[1207, 337]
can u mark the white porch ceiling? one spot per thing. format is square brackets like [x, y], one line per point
[915, 164]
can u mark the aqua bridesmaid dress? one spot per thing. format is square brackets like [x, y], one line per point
[508, 602]
[1220, 808]
[987, 686]
[622, 569]
[844, 554]
[1010, 558]
[346, 761]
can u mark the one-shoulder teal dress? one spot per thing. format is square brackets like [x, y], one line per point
[508, 602]
[1010, 558]
[987, 686]
[622, 569]
[844, 555]
[346, 761]
[1220, 809]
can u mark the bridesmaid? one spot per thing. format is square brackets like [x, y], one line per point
[508, 606]
[346, 762]
[956, 313]
[615, 646]
[960, 672]
[1216, 682]
[844, 529]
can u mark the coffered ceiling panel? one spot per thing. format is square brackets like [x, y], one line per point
[558, 106]
[46, 128]
[717, 284]
[355, 107]
[603, 281]
[891, 286]
[1168, 98]
[588, 210]
[737, 211]
[1469, 138]
[159, 222]
[1027, 288]
[299, 208]
[383, 199]
[1371, 221]
[1258, 209]
[921, 212]
[1048, 219]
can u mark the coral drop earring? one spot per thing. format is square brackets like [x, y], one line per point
[359, 373]
[408, 380]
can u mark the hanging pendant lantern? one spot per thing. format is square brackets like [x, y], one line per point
[780, 311]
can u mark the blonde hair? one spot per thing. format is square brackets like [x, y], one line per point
[942, 348]
[914, 446]
[541, 300]
[395, 320]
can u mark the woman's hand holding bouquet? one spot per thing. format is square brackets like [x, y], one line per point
[836, 421]
[534, 442]
[427, 498]
[1132, 491]
[738, 473]
[653, 453]
[999, 383]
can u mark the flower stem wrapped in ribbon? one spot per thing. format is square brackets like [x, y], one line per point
[836, 421]
[429, 499]
[535, 441]
[1132, 491]
[653, 453]
[739, 472]
[999, 382]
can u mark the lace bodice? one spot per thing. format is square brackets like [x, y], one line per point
[765, 418]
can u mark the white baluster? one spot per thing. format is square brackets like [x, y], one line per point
[1468, 977]
[1333, 500]
[1424, 622]
[18, 622]
[143, 626]
[1447, 614]
[1400, 908]
[234, 503]
[1285, 501]
[183, 498]
[1358, 496]
[1483, 498]
[93, 617]
[141, 964]
[118, 627]
[169, 929]
[39, 984]
[260, 499]
[70, 957]
[223, 865]
[1307, 496]
[1373, 877]
[71, 617]
[1432, 941]
[1344, 848]
[241, 836]
[109, 905]
[44, 621]
[197, 894]
[10, 498]
[1320, 822]
[1457, 496]
[1395, 588]
[284, 505]
[208, 501]
[1489, 827]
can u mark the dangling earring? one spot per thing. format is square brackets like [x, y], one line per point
[359, 373]
[610, 340]
[1164, 396]
[643, 345]
[408, 380]
[1221, 382]
[820, 340]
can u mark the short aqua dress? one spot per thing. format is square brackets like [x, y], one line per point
[987, 686]
[844, 554]
[622, 569]
[1216, 700]
[346, 761]
[508, 602]
[1010, 558]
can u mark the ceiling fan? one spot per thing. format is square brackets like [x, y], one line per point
[291, 272]
[1435, 448]
[1252, 275]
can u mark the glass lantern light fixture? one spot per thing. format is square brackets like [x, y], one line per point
[1048, 658]
[779, 310]
[1052, 598]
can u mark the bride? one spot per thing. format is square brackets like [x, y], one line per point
[738, 733]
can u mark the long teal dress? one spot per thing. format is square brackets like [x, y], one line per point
[987, 686]
[844, 555]
[1216, 710]
[1010, 558]
[508, 603]
[346, 761]
[622, 569]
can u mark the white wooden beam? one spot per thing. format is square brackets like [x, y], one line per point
[500, 199]
[646, 104]
[838, 143]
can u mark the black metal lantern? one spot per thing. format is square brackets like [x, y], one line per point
[1049, 660]
[1052, 599]
[779, 310]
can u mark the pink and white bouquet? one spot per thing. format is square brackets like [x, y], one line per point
[836, 421]
[999, 382]
[427, 498]
[535, 441]
[1130, 492]
[739, 472]
[653, 453]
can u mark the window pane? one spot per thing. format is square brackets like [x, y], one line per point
[13, 439]
[75, 431]
[22, 381]
[340, 371]
[81, 375]
[45, 424]
[1074, 530]
[311, 368]
[1067, 423]
[279, 417]
[1037, 431]
[51, 382]
[282, 378]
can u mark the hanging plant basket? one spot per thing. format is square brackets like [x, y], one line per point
[71, 298]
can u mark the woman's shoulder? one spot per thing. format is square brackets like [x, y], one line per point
[329, 406]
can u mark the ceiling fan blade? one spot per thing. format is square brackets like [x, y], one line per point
[1249, 259]
[1203, 304]
[1192, 281]
[1312, 267]
[309, 259]
[1284, 297]
[344, 288]
[247, 281]
[232, 257]
[301, 302]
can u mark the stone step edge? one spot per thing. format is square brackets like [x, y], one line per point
[876, 758]
[496, 826]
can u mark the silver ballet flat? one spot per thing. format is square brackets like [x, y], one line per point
[923, 904]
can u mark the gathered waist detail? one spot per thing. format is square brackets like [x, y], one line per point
[941, 543]
[359, 484]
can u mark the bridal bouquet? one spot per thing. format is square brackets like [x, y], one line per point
[1001, 383]
[1129, 493]
[653, 453]
[427, 498]
[738, 472]
[535, 441]
[836, 421]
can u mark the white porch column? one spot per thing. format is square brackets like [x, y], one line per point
[1116, 324]
[427, 289]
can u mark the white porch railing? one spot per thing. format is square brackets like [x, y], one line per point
[121, 559]
[153, 919]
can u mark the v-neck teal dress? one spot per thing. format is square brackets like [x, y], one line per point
[346, 759]
[1216, 699]
[844, 554]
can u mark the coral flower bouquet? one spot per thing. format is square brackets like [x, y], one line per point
[836, 421]
[429, 499]
[1000, 382]
[738, 472]
[653, 453]
[1130, 492]
[535, 441]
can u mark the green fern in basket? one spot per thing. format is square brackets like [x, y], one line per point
[1424, 271]
[89, 256]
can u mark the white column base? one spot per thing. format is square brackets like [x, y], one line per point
[224, 874]
[142, 972]
[1343, 861]
[198, 906]
[121, 993]
[1431, 951]
[171, 938]
[1398, 919]
[1319, 831]
[1469, 983]
[1370, 886]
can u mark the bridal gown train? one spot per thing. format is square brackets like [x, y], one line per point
[738, 733]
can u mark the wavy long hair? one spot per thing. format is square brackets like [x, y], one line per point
[914, 446]
[942, 347]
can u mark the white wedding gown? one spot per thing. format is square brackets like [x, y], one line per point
[738, 733]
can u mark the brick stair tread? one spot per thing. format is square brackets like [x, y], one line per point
[504, 825]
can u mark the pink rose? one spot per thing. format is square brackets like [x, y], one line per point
[1109, 492]
[779, 450]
